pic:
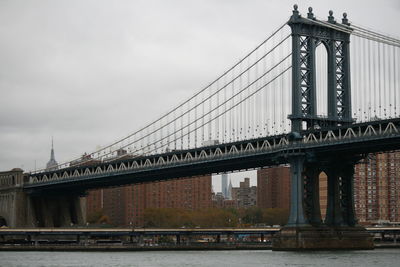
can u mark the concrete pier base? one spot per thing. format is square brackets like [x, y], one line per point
[322, 238]
[57, 211]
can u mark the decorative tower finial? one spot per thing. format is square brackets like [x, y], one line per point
[310, 14]
[295, 11]
[331, 18]
[345, 20]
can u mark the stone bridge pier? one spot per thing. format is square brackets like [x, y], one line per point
[56, 211]
[305, 228]
[19, 208]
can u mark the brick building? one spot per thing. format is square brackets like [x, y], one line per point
[245, 195]
[126, 205]
[273, 187]
[221, 202]
[377, 188]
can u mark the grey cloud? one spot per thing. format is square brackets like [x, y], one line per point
[89, 72]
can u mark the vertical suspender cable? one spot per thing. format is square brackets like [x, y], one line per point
[362, 85]
[217, 115]
[210, 116]
[231, 128]
[273, 89]
[395, 81]
[384, 93]
[241, 109]
[225, 116]
[182, 127]
[250, 100]
[263, 96]
[390, 80]
[188, 119]
[202, 119]
[369, 73]
[379, 80]
[281, 89]
[174, 130]
[358, 53]
[195, 122]
[375, 75]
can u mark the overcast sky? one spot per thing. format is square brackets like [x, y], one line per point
[91, 72]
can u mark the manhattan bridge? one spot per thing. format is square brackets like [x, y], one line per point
[318, 94]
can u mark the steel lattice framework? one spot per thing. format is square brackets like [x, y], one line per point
[307, 34]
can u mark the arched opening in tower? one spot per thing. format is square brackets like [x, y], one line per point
[323, 194]
[3, 221]
[321, 79]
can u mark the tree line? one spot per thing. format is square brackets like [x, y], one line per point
[204, 218]
[213, 217]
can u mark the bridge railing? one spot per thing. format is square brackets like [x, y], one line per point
[274, 147]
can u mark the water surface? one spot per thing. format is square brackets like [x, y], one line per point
[232, 258]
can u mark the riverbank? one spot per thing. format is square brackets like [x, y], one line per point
[96, 248]
[133, 247]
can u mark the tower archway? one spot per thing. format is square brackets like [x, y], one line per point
[3, 221]
[321, 79]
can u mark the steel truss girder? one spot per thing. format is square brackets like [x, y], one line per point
[277, 148]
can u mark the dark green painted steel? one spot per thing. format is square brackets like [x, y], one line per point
[307, 34]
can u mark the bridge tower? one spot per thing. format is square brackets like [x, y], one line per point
[305, 228]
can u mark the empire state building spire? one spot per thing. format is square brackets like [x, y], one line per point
[52, 164]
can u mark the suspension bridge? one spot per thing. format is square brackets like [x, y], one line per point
[317, 94]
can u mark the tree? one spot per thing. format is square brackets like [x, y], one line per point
[252, 215]
[94, 217]
[275, 216]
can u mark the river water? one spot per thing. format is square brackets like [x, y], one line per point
[232, 258]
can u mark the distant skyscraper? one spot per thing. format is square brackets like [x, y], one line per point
[229, 196]
[52, 164]
[224, 184]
